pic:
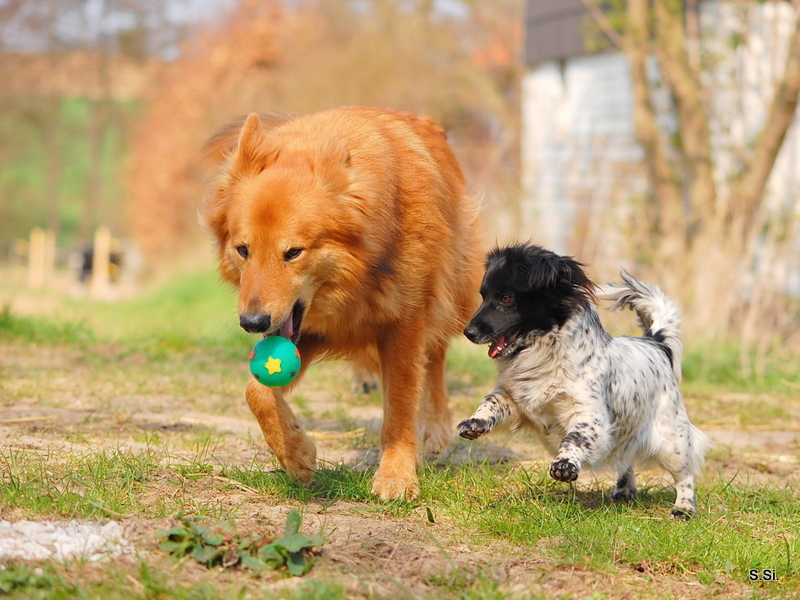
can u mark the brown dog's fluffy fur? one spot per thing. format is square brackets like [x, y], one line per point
[351, 231]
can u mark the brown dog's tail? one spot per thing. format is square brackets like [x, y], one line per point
[222, 143]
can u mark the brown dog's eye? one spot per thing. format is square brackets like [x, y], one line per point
[292, 253]
[505, 298]
[243, 251]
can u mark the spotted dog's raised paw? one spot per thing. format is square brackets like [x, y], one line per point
[564, 470]
[473, 428]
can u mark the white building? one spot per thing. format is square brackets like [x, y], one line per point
[582, 171]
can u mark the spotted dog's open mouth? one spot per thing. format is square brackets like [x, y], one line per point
[503, 344]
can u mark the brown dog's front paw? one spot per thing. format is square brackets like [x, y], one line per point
[396, 477]
[302, 463]
[389, 488]
[564, 470]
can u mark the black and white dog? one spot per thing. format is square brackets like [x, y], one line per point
[592, 399]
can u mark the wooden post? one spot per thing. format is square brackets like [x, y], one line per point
[99, 285]
[49, 261]
[36, 258]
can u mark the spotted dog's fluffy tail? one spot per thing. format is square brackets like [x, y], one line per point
[659, 316]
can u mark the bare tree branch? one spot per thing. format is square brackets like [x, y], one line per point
[693, 120]
[661, 171]
[603, 23]
[781, 115]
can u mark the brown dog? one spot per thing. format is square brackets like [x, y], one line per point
[351, 232]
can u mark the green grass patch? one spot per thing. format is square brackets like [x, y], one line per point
[32, 582]
[711, 368]
[739, 526]
[330, 483]
[49, 330]
[193, 312]
[178, 349]
[105, 484]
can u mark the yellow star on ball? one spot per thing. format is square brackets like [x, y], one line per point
[273, 365]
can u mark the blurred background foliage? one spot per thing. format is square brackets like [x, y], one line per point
[105, 103]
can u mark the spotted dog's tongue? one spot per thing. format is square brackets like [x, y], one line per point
[497, 346]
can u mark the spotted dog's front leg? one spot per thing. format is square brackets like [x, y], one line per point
[496, 408]
[587, 440]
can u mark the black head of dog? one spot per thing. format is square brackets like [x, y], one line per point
[526, 289]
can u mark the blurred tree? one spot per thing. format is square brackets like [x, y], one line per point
[221, 74]
[39, 116]
[461, 68]
[65, 107]
[705, 233]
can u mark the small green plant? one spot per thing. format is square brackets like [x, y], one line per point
[220, 545]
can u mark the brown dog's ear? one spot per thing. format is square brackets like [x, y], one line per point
[252, 154]
[223, 143]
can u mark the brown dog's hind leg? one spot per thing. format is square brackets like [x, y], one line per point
[434, 427]
[282, 432]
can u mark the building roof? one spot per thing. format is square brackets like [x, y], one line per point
[555, 30]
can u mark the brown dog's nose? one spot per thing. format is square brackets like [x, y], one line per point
[255, 323]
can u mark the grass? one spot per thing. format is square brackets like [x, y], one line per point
[707, 369]
[175, 350]
[194, 312]
[96, 484]
[739, 527]
[53, 331]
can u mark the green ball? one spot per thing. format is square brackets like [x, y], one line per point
[275, 361]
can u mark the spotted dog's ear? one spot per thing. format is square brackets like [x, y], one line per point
[571, 274]
[544, 268]
[562, 274]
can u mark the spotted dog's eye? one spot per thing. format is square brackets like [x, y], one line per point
[243, 251]
[505, 298]
[291, 254]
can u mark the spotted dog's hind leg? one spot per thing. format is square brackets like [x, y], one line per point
[685, 504]
[626, 484]
[682, 455]
[495, 409]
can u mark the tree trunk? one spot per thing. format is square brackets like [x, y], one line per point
[668, 221]
[749, 193]
[702, 250]
[670, 47]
